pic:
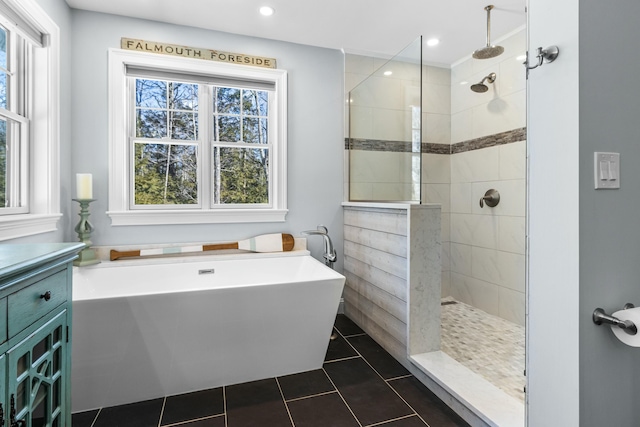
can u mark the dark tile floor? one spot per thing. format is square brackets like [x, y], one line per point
[359, 385]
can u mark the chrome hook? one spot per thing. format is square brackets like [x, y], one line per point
[549, 55]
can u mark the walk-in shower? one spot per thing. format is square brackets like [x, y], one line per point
[418, 134]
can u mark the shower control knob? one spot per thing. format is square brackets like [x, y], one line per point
[491, 198]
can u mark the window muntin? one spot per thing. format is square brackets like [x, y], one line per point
[241, 115]
[166, 109]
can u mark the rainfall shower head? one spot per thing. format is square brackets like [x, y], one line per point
[481, 87]
[489, 51]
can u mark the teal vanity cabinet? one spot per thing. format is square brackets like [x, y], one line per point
[35, 340]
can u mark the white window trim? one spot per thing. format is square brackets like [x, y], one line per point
[44, 160]
[119, 188]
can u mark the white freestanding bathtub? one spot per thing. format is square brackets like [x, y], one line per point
[142, 331]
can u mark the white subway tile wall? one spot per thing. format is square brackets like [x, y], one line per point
[488, 244]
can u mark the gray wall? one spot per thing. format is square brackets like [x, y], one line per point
[315, 126]
[609, 226]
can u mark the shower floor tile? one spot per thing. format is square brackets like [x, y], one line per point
[488, 345]
[360, 385]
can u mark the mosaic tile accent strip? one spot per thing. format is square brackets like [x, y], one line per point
[488, 345]
[502, 138]
[378, 145]
[431, 148]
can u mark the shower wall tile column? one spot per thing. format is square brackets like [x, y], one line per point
[436, 168]
[487, 249]
[436, 188]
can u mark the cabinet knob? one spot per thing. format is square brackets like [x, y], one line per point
[46, 296]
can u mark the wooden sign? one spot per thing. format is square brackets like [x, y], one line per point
[196, 52]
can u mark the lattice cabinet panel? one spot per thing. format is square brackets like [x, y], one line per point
[36, 371]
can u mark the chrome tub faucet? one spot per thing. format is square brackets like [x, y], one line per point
[329, 255]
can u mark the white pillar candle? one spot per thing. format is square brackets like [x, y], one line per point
[84, 186]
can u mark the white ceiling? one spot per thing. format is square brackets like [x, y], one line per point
[375, 27]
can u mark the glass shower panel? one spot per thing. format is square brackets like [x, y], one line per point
[385, 124]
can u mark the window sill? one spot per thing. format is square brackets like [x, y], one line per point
[166, 217]
[15, 226]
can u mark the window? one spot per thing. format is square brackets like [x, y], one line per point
[199, 141]
[164, 143]
[29, 146]
[13, 124]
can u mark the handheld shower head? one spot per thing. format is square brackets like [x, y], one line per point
[481, 87]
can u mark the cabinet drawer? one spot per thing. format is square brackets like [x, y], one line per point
[26, 306]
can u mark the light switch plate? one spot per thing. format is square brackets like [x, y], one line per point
[606, 170]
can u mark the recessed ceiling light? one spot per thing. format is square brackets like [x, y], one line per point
[521, 57]
[388, 73]
[433, 42]
[267, 11]
[464, 82]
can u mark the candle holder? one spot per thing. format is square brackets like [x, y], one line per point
[87, 256]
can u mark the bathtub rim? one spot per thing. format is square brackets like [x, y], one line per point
[328, 273]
